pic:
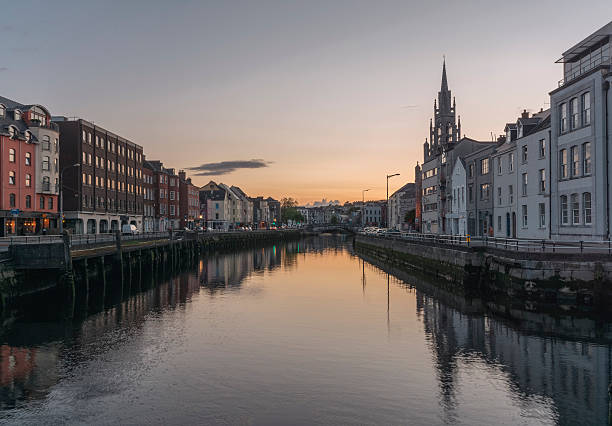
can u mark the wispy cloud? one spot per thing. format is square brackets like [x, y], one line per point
[225, 167]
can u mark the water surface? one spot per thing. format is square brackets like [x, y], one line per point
[302, 333]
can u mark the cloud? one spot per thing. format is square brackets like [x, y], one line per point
[3, 69]
[226, 167]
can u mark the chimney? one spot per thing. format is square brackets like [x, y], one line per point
[524, 114]
[182, 175]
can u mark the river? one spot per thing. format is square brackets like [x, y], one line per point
[305, 333]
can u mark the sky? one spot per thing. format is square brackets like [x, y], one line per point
[309, 99]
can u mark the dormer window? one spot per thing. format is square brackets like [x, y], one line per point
[2, 111]
[28, 136]
[12, 132]
[38, 115]
[17, 115]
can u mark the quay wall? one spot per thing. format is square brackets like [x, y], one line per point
[560, 278]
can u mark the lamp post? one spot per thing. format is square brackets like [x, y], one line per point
[388, 177]
[61, 196]
[363, 191]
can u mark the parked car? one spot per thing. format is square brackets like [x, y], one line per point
[129, 230]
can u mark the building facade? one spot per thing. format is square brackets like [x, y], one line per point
[581, 131]
[400, 203]
[102, 178]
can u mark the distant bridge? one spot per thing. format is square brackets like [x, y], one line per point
[330, 228]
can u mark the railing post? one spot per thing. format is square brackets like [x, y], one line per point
[516, 245]
[553, 246]
[543, 247]
[581, 246]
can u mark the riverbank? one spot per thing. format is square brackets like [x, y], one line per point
[569, 280]
[78, 270]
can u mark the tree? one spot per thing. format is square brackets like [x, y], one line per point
[334, 220]
[289, 210]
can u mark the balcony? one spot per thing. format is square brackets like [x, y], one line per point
[584, 69]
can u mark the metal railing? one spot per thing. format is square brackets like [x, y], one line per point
[508, 244]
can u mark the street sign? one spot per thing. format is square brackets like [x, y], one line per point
[15, 212]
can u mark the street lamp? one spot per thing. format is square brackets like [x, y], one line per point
[388, 177]
[363, 191]
[61, 195]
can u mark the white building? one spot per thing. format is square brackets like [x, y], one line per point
[581, 132]
[458, 212]
[400, 203]
[372, 212]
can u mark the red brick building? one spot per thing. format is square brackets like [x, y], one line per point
[160, 194]
[189, 201]
[28, 169]
[148, 195]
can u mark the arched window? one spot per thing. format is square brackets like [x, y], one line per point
[28, 136]
[28, 159]
[2, 111]
[17, 115]
[12, 200]
[11, 155]
[13, 132]
[11, 178]
[46, 143]
[28, 201]
[28, 180]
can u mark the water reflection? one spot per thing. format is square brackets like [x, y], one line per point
[309, 332]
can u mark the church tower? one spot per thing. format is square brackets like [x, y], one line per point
[443, 130]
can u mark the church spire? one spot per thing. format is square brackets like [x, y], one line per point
[444, 86]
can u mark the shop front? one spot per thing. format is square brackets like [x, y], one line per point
[27, 223]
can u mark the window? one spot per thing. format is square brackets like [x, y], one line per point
[28, 159]
[85, 178]
[499, 165]
[586, 158]
[564, 218]
[50, 203]
[11, 155]
[12, 199]
[84, 136]
[499, 223]
[89, 159]
[84, 158]
[45, 163]
[56, 145]
[470, 193]
[563, 164]
[171, 210]
[542, 148]
[524, 184]
[28, 180]
[563, 118]
[28, 201]
[89, 138]
[574, 123]
[46, 143]
[42, 203]
[11, 178]
[46, 183]
[484, 166]
[575, 209]
[471, 170]
[511, 162]
[575, 161]
[524, 208]
[542, 214]
[586, 109]
[484, 191]
[524, 154]
[586, 208]
[510, 194]
[2, 111]
[499, 195]
[542, 180]
[55, 165]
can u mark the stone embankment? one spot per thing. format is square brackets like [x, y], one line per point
[579, 278]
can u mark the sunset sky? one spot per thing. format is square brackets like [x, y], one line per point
[309, 99]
